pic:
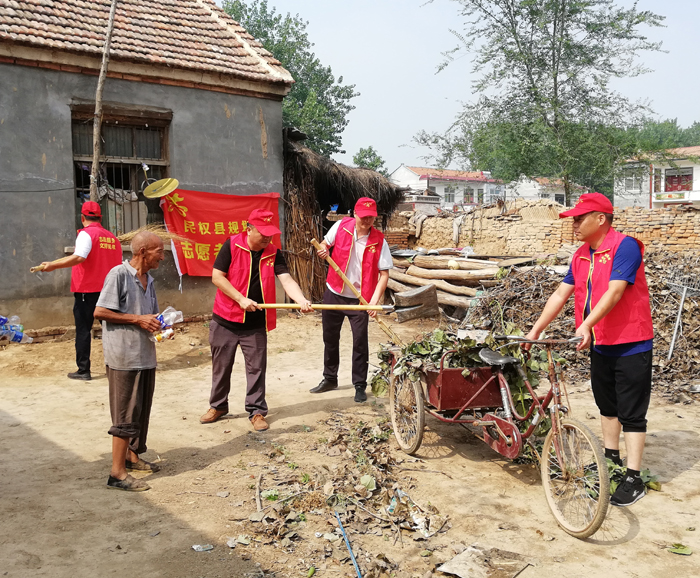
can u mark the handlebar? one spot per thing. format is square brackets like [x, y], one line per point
[521, 339]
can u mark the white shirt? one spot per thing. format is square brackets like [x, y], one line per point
[83, 245]
[354, 268]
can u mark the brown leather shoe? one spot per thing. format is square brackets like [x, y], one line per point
[212, 415]
[259, 423]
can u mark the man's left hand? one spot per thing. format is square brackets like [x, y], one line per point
[585, 332]
[306, 306]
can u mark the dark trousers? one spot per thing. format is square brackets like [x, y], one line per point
[130, 400]
[622, 388]
[332, 324]
[84, 314]
[224, 343]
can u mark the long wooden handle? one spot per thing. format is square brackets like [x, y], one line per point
[36, 269]
[340, 273]
[324, 306]
[384, 327]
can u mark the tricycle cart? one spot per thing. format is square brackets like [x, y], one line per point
[572, 462]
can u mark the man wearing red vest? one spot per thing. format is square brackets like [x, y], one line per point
[362, 253]
[613, 316]
[97, 251]
[244, 273]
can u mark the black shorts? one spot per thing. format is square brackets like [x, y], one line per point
[622, 388]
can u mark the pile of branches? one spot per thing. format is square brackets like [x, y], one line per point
[522, 295]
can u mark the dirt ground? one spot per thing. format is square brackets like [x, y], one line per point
[57, 519]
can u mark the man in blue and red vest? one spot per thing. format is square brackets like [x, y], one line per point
[244, 273]
[613, 317]
[97, 251]
[362, 253]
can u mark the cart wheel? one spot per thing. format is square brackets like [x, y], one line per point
[578, 488]
[407, 412]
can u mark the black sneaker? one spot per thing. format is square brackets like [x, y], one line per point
[85, 376]
[360, 393]
[631, 490]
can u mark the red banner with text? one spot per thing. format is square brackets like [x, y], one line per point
[207, 220]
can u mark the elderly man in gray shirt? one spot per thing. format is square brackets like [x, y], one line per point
[127, 307]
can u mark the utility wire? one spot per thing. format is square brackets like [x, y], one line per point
[41, 190]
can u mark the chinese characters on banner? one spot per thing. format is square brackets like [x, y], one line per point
[207, 220]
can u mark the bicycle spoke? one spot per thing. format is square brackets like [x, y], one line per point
[574, 486]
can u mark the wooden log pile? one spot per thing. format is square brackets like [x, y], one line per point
[457, 279]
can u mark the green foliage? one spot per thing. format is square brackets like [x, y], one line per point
[617, 474]
[424, 355]
[271, 495]
[368, 158]
[545, 105]
[317, 104]
[681, 549]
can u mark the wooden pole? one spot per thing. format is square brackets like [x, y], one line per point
[384, 327]
[449, 275]
[439, 284]
[97, 121]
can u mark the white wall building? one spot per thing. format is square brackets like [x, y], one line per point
[542, 188]
[659, 184]
[455, 188]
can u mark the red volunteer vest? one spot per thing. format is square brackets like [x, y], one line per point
[106, 253]
[630, 319]
[344, 242]
[239, 274]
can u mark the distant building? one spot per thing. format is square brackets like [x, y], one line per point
[454, 188]
[543, 188]
[659, 183]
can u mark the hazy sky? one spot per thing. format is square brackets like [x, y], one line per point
[390, 50]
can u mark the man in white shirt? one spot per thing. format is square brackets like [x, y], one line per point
[363, 254]
[97, 251]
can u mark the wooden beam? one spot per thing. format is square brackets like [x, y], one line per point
[441, 285]
[477, 275]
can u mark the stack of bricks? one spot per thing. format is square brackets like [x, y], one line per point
[398, 238]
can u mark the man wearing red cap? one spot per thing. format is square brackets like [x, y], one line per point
[613, 316]
[244, 273]
[363, 254]
[97, 251]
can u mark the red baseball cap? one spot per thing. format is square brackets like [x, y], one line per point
[366, 207]
[589, 203]
[262, 221]
[91, 209]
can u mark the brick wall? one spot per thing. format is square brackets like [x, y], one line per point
[533, 228]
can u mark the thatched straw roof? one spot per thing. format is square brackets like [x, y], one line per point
[312, 184]
[335, 183]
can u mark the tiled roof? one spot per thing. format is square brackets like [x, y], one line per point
[548, 182]
[451, 175]
[685, 151]
[437, 173]
[185, 34]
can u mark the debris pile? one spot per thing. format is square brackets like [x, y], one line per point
[296, 509]
[12, 330]
[521, 296]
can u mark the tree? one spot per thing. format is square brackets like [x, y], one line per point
[368, 158]
[317, 104]
[545, 106]
[667, 134]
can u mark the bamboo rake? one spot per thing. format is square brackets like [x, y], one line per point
[384, 327]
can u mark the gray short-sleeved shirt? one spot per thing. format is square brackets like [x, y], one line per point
[127, 347]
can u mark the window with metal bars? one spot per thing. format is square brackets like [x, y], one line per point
[133, 153]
